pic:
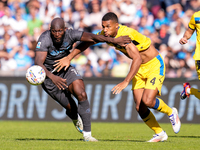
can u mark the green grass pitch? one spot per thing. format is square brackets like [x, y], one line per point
[29, 135]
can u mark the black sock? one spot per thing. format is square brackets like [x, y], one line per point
[84, 112]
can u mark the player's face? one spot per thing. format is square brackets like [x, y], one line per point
[110, 28]
[57, 34]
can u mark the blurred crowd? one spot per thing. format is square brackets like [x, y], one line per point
[164, 21]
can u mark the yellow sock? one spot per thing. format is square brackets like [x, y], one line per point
[195, 92]
[151, 122]
[162, 107]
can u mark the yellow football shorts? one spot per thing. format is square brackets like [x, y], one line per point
[150, 75]
[197, 64]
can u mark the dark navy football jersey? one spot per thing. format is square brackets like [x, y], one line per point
[45, 43]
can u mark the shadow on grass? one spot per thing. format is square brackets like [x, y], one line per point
[108, 140]
[185, 136]
[105, 140]
[39, 139]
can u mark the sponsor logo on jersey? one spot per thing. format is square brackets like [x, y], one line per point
[38, 45]
[55, 53]
[65, 44]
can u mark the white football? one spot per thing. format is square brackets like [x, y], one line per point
[35, 75]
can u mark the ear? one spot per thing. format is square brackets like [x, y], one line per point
[117, 25]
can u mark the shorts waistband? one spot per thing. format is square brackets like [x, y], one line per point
[158, 57]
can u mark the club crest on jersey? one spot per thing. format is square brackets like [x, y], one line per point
[38, 45]
[197, 20]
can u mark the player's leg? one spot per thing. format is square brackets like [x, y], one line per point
[155, 79]
[145, 113]
[148, 117]
[138, 85]
[63, 97]
[195, 92]
[72, 112]
[150, 100]
[187, 90]
[77, 88]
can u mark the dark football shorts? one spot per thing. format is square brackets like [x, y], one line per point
[61, 96]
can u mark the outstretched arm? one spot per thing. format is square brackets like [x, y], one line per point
[187, 35]
[89, 37]
[65, 61]
[134, 54]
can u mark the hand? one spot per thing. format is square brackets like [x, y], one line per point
[122, 40]
[119, 87]
[183, 41]
[59, 82]
[64, 62]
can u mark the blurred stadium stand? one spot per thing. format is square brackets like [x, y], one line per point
[22, 22]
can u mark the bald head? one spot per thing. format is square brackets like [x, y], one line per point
[57, 30]
[57, 23]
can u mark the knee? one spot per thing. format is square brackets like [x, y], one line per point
[149, 102]
[82, 96]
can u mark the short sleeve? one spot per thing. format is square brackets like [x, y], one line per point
[75, 35]
[192, 24]
[43, 42]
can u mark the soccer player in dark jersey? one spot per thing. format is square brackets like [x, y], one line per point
[55, 44]
[147, 73]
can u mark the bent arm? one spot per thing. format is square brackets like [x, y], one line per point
[40, 57]
[65, 61]
[79, 49]
[90, 37]
[187, 35]
[134, 54]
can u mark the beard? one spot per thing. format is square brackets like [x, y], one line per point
[57, 41]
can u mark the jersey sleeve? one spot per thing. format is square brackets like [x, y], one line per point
[192, 24]
[100, 33]
[43, 42]
[139, 40]
[75, 35]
